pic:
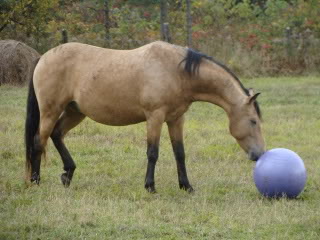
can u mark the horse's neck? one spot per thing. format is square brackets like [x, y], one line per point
[213, 84]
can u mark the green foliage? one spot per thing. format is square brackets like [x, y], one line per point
[27, 17]
[284, 32]
[275, 8]
[133, 27]
[143, 2]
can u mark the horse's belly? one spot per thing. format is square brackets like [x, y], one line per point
[115, 116]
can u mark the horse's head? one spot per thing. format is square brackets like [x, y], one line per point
[245, 126]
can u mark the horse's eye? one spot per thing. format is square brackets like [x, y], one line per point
[253, 122]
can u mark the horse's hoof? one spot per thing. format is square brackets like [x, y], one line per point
[150, 188]
[35, 178]
[65, 180]
[188, 188]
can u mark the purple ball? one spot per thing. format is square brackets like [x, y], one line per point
[280, 172]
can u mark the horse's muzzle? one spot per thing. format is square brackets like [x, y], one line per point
[254, 156]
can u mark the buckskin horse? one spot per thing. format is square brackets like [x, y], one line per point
[155, 83]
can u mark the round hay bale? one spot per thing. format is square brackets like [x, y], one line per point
[16, 62]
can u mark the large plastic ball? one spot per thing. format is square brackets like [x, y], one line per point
[280, 172]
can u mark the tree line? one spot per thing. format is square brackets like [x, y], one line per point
[279, 35]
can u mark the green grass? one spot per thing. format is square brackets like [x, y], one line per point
[107, 200]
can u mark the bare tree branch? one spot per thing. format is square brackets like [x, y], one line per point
[3, 26]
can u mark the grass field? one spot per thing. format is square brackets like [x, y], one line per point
[107, 200]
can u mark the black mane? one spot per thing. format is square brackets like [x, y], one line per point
[192, 64]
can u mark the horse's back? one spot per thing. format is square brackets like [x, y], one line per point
[114, 87]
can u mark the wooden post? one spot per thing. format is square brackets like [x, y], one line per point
[166, 32]
[289, 41]
[189, 23]
[163, 18]
[64, 34]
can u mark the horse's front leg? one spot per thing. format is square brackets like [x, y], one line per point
[176, 135]
[154, 125]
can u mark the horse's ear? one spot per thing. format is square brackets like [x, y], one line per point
[253, 98]
[251, 92]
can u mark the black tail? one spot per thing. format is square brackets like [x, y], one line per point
[32, 123]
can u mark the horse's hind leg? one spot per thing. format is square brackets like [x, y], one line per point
[47, 122]
[176, 135]
[70, 118]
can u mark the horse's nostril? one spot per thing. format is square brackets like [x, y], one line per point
[254, 156]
